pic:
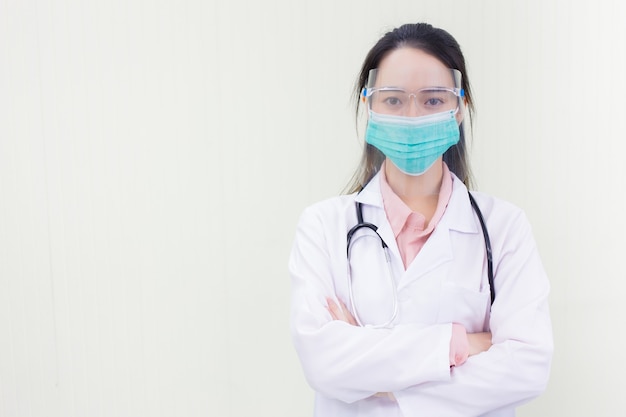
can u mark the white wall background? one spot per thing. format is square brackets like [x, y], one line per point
[155, 156]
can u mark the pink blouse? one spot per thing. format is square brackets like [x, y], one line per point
[409, 227]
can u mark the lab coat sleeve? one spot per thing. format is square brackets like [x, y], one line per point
[347, 362]
[516, 368]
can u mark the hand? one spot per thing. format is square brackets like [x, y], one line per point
[340, 312]
[459, 345]
[479, 342]
[387, 395]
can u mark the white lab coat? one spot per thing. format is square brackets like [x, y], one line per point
[446, 283]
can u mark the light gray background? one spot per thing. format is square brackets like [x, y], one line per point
[155, 157]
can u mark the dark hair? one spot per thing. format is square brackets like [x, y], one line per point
[441, 45]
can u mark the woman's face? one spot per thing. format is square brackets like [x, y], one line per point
[413, 70]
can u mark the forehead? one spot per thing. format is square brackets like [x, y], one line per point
[413, 68]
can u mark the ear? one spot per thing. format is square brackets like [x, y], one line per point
[460, 115]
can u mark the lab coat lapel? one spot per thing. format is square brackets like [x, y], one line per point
[437, 251]
[374, 212]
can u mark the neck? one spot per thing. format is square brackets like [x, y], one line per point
[420, 193]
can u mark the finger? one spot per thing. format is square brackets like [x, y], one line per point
[347, 314]
[386, 395]
[334, 310]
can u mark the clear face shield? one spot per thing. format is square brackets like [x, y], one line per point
[398, 93]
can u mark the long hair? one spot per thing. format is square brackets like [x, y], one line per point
[440, 44]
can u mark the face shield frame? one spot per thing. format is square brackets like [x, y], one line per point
[432, 99]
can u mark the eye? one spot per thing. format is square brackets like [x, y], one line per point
[434, 101]
[388, 100]
[393, 101]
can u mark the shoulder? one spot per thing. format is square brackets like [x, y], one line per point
[496, 211]
[323, 225]
[506, 222]
[488, 204]
[492, 205]
[496, 208]
[330, 209]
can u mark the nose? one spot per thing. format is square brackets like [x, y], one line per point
[412, 109]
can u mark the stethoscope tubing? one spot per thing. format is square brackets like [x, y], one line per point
[483, 226]
[361, 224]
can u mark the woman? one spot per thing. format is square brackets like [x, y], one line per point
[394, 317]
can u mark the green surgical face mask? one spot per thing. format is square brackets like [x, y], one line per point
[413, 144]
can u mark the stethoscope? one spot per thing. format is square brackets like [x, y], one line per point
[394, 308]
